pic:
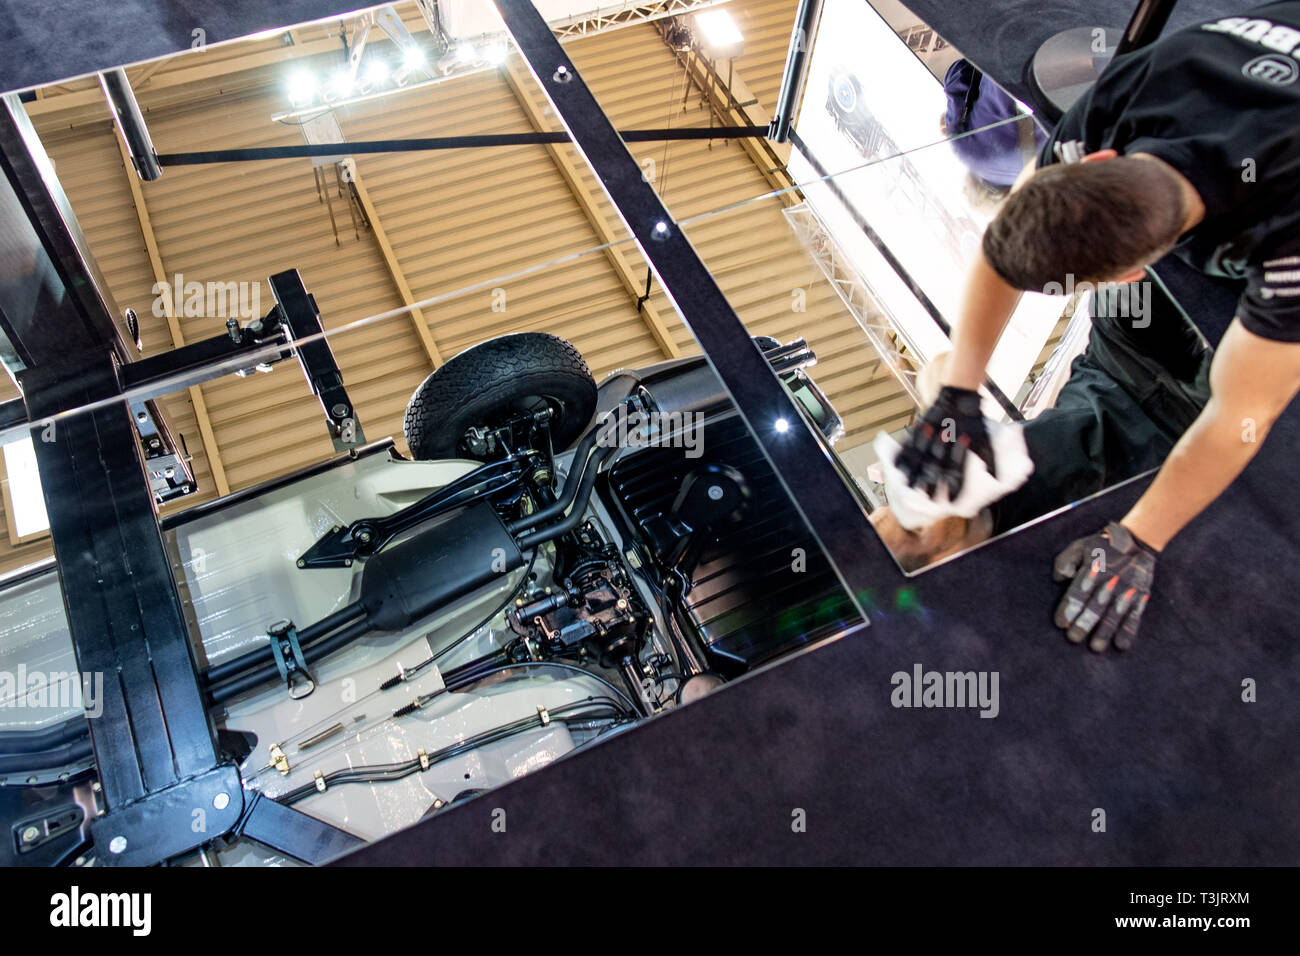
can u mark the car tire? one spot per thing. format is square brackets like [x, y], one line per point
[494, 380]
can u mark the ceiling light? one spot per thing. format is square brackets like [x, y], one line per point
[465, 52]
[782, 425]
[719, 34]
[413, 58]
[495, 53]
[341, 85]
[302, 89]
[376, 73]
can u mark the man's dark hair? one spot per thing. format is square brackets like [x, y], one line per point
[1094, 221]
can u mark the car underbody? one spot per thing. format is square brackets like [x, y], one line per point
[380, 637]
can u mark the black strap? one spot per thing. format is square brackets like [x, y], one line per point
[289, 659]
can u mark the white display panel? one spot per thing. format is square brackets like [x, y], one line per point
[871, 116]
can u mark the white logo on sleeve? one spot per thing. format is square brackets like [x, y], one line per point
[1273, 69]
[1275, 37]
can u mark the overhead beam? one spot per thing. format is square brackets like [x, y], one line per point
[395, 270]
[206, 433]
[627, 267]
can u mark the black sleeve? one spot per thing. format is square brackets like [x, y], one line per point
[1270, 306]
[1070, 127]
[1096, 114]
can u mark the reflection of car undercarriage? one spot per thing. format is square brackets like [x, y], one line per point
[379, 638]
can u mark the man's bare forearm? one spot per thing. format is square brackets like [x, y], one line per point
[1252, 380]
[1211, 453]
[987, 304]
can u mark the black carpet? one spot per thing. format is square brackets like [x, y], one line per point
[1001, 36]
[1160, 739]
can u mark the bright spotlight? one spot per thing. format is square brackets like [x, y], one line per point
[341, 85]
[782, 425]
[465, 53]
[413, 58]
[302, 89]
[721, 36]
[495, 53]
[376, 73]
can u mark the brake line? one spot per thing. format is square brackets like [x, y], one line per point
[396, 771]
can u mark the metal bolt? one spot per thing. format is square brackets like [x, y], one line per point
[96, 787]
[562, 74]
[715, 492]
[117, 845]
[339, 410]
[302, 563]
[221, 800]
[364, 537]
[30, 834]
[232, 328]
[142, 416]
[255, 325]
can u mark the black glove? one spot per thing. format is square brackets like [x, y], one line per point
[1112, 574]
[935, 452]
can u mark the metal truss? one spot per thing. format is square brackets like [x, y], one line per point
[856, 294]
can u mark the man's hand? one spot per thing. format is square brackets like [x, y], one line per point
[934, 454]
[1112, 574]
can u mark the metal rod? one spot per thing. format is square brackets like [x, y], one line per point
[130, 123]
[796, 69]
[1145, 25]
[446, 142]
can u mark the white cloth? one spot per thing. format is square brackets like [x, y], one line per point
[914, 509]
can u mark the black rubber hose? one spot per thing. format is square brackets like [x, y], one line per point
[574, 518]
[578, 470]
[36, 741]
[220, 673]
[269, 672]
[74, 751]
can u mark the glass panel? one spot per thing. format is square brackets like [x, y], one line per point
[505, 272]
